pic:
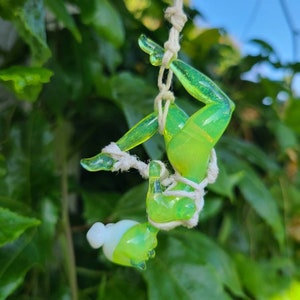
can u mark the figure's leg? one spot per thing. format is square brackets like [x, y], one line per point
[164, 208]
[137, 135]
[189, 149]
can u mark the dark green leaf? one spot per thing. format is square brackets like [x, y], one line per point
[250, 152]
[30, 23]
[136, 98]
[258, 196]
[190, 266]
[13, 225]
[106, 20]
[8, 8]
[132, 204]
[99, 206]
[2, 166]
[59, 9]
[15, 261]
[225, 183]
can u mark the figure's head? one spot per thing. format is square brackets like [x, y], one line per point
[126, 242]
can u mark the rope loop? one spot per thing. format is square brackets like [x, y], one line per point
[175, 15]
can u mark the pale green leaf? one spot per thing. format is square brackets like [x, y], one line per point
[26, 82]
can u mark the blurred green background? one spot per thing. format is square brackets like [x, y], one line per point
[72, 79]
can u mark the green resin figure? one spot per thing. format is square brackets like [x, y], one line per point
[126, 242]
[189, 142]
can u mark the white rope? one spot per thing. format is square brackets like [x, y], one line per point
[197, 195]
[175, 15]
[125, 161]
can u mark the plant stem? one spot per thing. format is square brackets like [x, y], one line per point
[68, 240]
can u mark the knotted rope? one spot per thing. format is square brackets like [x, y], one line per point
[175, 15]
[125, 161]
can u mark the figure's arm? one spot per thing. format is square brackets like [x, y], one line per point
[137, 135]
[196, 83]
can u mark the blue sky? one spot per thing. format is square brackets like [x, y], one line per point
[248, 19]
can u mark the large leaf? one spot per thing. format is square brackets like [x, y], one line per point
[135, 97]
[132, 204]
[189, 265]
[105, 19]
[15, 260]
[128, 286]
[7, 8]
[26, 82]
[291, 115]
[59, 9]
[13, 225]
[99, 206]
[258, 196]
[30, 23]
[275, 273]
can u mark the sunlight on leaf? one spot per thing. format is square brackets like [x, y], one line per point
[26, 82]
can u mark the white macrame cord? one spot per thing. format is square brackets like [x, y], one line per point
[175, 15]
[125, 161]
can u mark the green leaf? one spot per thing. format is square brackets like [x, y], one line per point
[30, 23]
[98, 206]
[44, 239]
[275, 274]
[15, 260]
[7, 8]
[59, 9]
[132, 204]
[250, 152]
[135, 97]
[128, 286]
[190, 266]
[13, 225]
[225, 183]
[291, 115]
[258, 196]
[211, 208]
[2, 166]
[286, 137]
[26, 82]
[105, 19]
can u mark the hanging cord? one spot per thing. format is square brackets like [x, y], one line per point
[175, 15]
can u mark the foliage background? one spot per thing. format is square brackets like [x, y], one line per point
[72, 80]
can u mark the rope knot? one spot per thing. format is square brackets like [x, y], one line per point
[176, 17]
